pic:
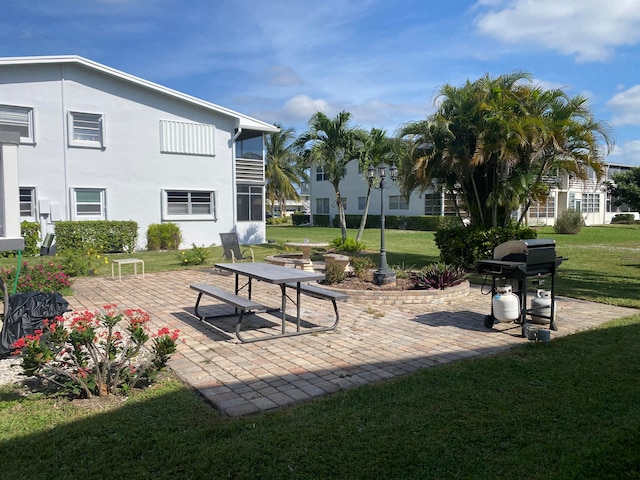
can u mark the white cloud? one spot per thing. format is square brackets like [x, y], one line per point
[301, 107]
[628, 153]
[625, 106]
[588, 29]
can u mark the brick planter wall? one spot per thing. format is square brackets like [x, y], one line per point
[403, 297]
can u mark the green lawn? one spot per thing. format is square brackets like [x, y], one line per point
[566, 409]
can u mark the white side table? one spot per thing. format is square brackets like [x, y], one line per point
[126, 261]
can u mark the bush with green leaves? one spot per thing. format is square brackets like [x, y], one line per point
[361, 266]
[349, 245]
[335, 274]
[438, 276]
[102, 236]
[623, 218]
[163, 236]
[299, 218]
[465, 246]
[195, 256]
[83, 262]
[569, 222]
[30, 231]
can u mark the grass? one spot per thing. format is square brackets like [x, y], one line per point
[566, 409]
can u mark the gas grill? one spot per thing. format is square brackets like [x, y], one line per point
[518, 263]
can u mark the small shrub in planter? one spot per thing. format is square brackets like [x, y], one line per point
[335, 274]
[438, 276]
[361, 266]
[96, 353]
[569, 222]
[349, 245]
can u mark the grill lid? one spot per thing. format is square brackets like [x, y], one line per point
[529, 251]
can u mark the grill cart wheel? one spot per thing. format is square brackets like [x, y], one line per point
[488, 321]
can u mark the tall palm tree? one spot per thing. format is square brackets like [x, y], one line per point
[284, 169]
[377, 150]
[331, 144]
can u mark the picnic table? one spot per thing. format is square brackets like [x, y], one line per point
[285, 278]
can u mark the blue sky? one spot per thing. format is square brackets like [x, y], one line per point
[382, 60]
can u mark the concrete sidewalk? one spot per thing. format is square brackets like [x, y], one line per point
[371, 343]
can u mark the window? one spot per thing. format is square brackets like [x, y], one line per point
[250, 148]
[321, 175]
[89, 204]
[362, 201]
[433, 204]
[590, 202]
[543, 210]
[343, 201]
[250, 203]
[587, 203]
[322, 206]
[189, 205]
[17, 119]
[187, 138]
[27, 202]
[398, 202]
[86, 130]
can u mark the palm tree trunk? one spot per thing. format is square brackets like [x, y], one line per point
[363, 220]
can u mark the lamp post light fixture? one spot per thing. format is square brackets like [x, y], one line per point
[383, 275]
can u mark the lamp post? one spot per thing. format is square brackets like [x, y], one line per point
[383, 275]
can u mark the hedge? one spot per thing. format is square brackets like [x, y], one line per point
[101, 236]
[426, 223]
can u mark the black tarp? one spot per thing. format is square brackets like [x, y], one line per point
[25, 313]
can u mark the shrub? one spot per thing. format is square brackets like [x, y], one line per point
[83, 262]
[438, 276]
[569, 222]
[349, 245]
[40, 277]
[299, 218]
[163, 236]
[96, 353]
[465, 246]
[195, 256]
[361, 266]
[321, 220]
[624, 218]
[30, 231]
[335, 274]
[102, 236]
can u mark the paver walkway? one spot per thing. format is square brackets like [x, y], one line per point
[370, 344]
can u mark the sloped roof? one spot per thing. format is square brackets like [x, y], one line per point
[242, 121]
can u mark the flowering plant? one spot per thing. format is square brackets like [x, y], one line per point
[41, 277]
[96, 353]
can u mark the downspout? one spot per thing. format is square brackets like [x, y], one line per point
[234, 189]
[67, 193]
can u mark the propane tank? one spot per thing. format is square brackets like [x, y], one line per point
[506, 304]
[541, 305]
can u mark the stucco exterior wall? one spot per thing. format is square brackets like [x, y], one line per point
[130, 167]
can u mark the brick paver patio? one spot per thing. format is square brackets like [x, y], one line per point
[372, 343]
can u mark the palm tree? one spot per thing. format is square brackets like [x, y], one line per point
[284, 170]
[331, 144]
[378, 149]
[497, 138]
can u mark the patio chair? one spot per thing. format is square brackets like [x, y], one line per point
[232, 249]
[48, 248]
